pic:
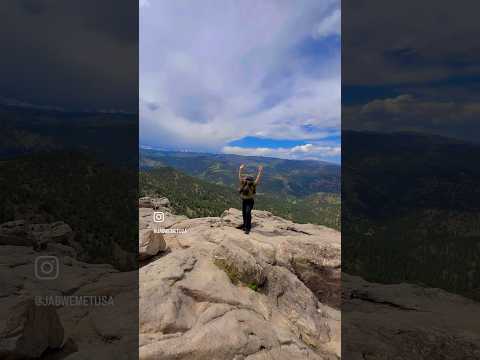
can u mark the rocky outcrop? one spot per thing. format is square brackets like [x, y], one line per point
[146, 218]
[311, 252]
[238, 264]
[123, 260]
[151, 241]
[150, 244]
[54, 232]
[30, 330]
[38, 235]
[221, 294]
[35, 323]
[405, 321]
[14, 233]
[153, 203]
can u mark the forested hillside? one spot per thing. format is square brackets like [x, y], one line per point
[197, 198]
[94, 198]
[281, 178]
[421, 214]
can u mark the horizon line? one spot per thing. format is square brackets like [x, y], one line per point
[149, 147]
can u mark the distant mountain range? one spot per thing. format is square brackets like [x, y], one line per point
[108, 136]
[296, 178]
[206, 184]
[198, 198]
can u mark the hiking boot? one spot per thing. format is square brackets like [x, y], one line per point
[241, 227]
[247, 231]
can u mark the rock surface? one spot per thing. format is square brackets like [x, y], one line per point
[151, 241]
[146, 218]
[220, 294]
[34, 322]
[152, 202]
[405, 321]
[38, 235]
[150, 244]
[30, 330]
[14, 233]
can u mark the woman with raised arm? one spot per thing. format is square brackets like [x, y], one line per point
[247, 190]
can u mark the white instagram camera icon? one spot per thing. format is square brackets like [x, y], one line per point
[46, 267]
[158, 216]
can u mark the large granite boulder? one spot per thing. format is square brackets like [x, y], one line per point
[239, 264]
[150, 244]
[14, 233]
[153, 202]
[30, 330]
[38, 235]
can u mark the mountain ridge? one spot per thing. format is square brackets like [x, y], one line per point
[298, 178]
[194, 197]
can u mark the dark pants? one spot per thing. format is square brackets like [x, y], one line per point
[247, 206]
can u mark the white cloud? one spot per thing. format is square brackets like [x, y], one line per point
[300, 152]
[330, 25]
[409, 113]
[144, 3]
[215, 71]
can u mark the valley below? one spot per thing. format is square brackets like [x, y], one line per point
[206, 185]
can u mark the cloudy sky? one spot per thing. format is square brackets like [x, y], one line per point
[242, 77]
[75, 55]
[408, 69]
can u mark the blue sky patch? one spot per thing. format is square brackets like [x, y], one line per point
[254, 142]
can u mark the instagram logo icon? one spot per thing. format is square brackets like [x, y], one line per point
[158, 217]
[46, 267]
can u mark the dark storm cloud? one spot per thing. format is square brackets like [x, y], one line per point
[71, 54]
[411, 66]
[409, 41]
[33, 6]
[116, 19]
